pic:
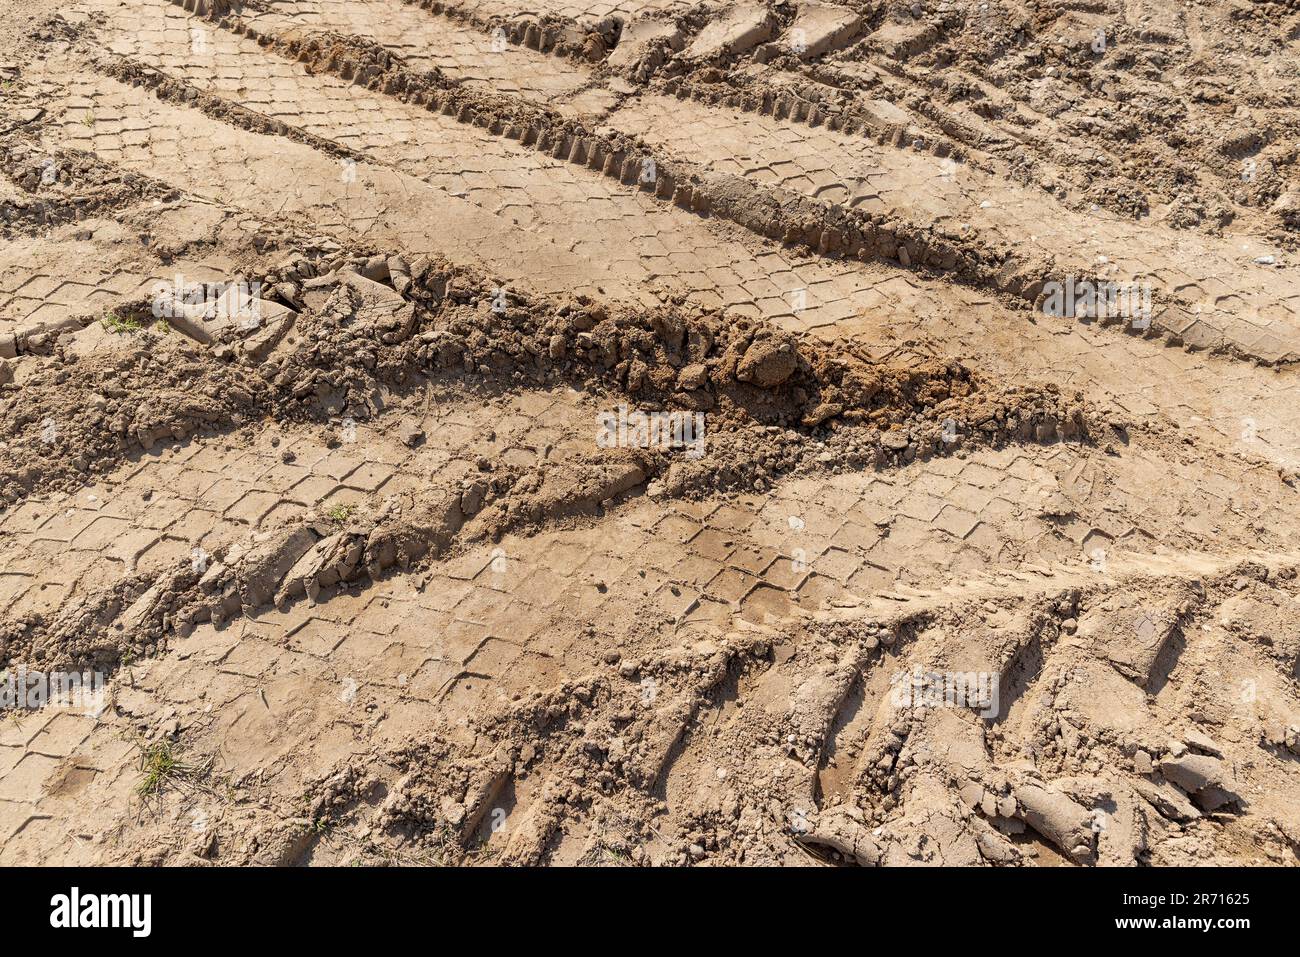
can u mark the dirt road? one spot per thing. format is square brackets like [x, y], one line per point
[650, 434]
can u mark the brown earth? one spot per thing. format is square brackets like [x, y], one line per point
[376, 549]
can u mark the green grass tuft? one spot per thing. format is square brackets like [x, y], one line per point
[115, 323]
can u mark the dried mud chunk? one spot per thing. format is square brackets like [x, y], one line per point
[234, 310]
[1287, 208]
[824, 411]
[332, 560]
[1204, 778]
[408, 540]
[1140, 635]
[585, 488]
[1278, 734]
[148, 606]
[694, 376]
[994, 848]
[1167, 800]
[637, 371]
[269, 561]
[1198, 741]
[768, 362]
[472, 497]
[860, 387]
[641, 37]
[838, 831]
[823, 27]
[1058, 818]
[485, 787]
[260, 343]
[736, 30]
[373, 296]
[895, 440]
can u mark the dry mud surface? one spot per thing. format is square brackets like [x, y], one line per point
[947, 576]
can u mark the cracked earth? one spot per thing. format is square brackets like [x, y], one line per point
[946, 575]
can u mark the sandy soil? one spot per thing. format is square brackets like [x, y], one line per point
[333, 332]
